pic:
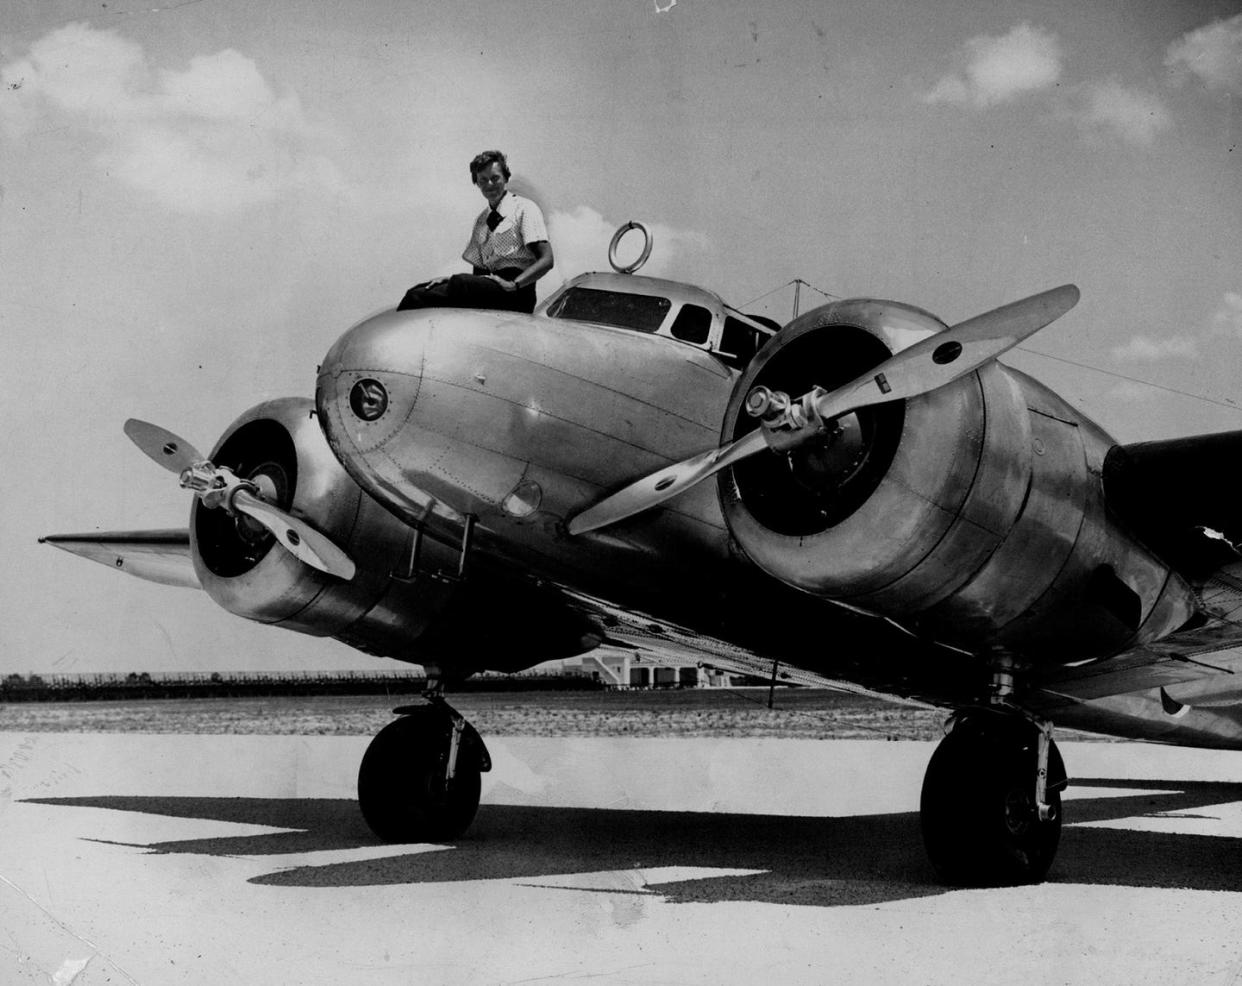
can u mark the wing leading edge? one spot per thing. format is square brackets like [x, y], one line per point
[157, 556]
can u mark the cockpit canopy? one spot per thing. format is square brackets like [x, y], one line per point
[655, 306]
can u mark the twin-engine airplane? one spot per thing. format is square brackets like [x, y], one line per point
[890, 510]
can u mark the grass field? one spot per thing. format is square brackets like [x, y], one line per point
[798, 713]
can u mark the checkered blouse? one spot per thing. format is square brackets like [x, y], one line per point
[508, 245]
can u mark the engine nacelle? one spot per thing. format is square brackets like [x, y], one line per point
[973, 514]
[278, 446]
[404, 601]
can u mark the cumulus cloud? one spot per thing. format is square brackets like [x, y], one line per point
[1110, 109]
[995, 69]
[1148, 350]
[1227, 320]
[581, 237]
[212, 137]
[1030, 60]
[1212, 54]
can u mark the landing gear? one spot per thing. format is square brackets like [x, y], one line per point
[988, 817]
[419, 779]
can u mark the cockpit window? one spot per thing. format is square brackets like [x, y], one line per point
[739, 342]
[644, 313]
[692, 324]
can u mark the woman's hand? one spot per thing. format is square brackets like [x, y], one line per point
[507, 285]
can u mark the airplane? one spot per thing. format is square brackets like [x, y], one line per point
[891, 510]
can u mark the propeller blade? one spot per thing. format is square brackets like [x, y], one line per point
[171, 451]
[302, 540]
[665, 483]
[942, 358]
[177, 455]
[924, 367]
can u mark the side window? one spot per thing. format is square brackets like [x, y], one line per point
[739, 342]
[692, 324]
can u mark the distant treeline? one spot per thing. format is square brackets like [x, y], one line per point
[216, 684]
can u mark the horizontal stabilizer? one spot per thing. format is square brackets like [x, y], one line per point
[157, 556]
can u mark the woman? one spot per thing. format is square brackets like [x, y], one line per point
[508, 250]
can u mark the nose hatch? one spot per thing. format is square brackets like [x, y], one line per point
[387, 398]
[369, 381]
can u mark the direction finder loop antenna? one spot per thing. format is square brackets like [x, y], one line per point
[648, 242]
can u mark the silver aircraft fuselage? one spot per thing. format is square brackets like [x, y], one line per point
[984, 527]
[520, 420]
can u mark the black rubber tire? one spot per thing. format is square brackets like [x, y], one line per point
[977, 811]
[401, 788]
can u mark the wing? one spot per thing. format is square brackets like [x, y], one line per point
[1179, 498]
[157, 556]
[895, 669]
[1186, 687]
[1186, 690]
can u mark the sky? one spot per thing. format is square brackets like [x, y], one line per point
[196, 199]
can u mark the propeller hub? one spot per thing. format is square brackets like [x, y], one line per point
[766, 404]
[201, 477]
[251, 501]
[826, 465]
[264, 486]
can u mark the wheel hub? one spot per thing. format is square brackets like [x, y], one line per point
[1019, 812]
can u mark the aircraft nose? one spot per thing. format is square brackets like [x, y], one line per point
[369, 381]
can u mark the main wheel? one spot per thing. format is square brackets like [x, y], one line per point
[981, 826]
[402, 789]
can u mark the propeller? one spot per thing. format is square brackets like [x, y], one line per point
[219, 486]
[787, 423]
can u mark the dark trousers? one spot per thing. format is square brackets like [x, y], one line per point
[475, 290]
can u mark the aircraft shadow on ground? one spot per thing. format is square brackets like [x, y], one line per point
[827, 861]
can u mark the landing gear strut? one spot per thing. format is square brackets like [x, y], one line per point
[991, 803]
[419, 779]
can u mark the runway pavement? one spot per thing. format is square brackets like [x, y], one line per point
[159, 859]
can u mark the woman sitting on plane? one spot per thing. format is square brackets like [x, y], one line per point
[508, 250]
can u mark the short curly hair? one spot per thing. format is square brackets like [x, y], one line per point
[486, 160]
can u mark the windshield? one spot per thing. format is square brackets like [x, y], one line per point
[642, 312]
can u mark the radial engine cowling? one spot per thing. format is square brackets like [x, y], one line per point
[278, 446]
[972, 514]
[405, 600]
